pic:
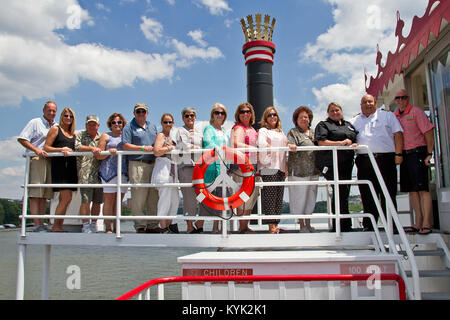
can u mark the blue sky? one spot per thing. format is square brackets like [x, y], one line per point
[104, 56]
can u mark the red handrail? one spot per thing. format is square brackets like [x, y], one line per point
[253, 278]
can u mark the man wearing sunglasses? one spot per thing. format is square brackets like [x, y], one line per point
[418, 144]
[139, 135]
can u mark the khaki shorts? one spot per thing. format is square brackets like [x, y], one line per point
[89, 195]
[40, 172]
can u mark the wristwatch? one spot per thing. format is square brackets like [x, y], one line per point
[430, 154]
[399, 155]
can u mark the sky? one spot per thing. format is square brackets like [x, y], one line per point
[104, 56]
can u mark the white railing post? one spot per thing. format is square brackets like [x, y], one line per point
[119, 196]
[337, 200]
[25, 196]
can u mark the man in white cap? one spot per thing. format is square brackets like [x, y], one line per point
[88, 166]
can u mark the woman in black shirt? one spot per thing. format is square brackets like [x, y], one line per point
[335, 131]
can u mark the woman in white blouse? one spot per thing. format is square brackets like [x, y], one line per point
[272, 165]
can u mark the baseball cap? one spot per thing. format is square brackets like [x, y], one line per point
[92, 117]
[141, 105]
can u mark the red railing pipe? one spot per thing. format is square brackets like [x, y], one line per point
[253, 278]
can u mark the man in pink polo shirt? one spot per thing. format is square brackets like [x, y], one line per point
[418, 144]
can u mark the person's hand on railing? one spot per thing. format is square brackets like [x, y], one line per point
[41, 153]
[112, 151]
[292, 147]
[96, 151]
[66, 151]
[346, 142]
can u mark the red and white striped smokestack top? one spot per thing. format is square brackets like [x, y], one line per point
[258, 50]
[258, 38]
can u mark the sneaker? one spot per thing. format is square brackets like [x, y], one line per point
[311, 229]
[86, 228]
[93, 227]
[40, 229]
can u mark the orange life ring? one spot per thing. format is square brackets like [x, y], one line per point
[231, 202]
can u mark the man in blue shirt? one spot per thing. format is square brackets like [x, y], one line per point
[139, 135]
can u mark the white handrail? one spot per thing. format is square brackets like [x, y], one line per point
[392, 213]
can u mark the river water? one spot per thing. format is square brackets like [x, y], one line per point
[106, 272]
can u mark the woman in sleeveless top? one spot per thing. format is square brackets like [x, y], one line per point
[164, 172]
[243, 135]
[61, 138]
[112, 142]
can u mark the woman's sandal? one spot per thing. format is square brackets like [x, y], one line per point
[411, 229]
[425, 230]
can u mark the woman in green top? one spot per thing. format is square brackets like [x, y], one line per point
[214, 136]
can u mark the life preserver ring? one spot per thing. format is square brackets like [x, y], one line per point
[231, 202]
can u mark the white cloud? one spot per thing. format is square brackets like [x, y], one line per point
[344, 53]
[151, 28]
[11, 150]
[215, 7]
[11, 174]
[101, 6]
[171, 2]
[197, 36]
[36, 63]
[187, 53]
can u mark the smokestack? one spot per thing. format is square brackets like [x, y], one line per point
[258, 53]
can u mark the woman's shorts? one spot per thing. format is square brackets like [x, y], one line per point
[114, 189]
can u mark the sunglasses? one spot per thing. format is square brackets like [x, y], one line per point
[401, 97]
[272, 115]
[189, 115]
[117, 122]
[68, 116]
[167, 122]
[139, 111]
[219, 113]
[244, 111]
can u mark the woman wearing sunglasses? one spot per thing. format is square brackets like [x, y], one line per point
[164, 172]
[61, 138]
[243, 135]
[214, 136]
[112, 142]
[272, 165]
[188, 139]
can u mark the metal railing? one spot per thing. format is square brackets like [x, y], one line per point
[142, 292]
[387, 222]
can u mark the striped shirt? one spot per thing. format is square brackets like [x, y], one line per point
[415, 124]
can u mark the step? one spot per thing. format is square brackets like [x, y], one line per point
[422, 253]
[431, 273]
[436, 296]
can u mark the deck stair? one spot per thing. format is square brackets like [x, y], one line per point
[433, 260]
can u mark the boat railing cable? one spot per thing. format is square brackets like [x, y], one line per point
[392, 215]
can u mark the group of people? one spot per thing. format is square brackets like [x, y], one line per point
[404, 137]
